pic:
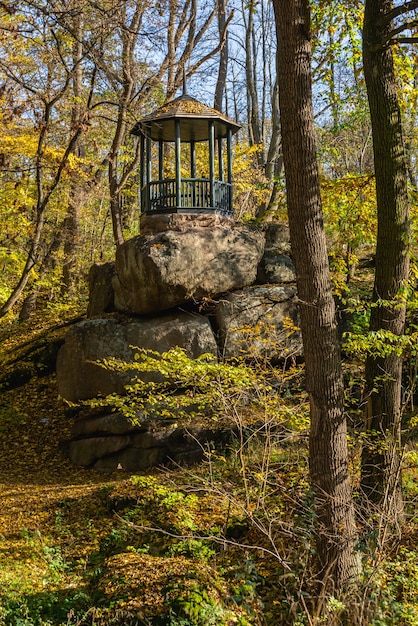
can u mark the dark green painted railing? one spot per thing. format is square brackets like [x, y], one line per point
[195, 196]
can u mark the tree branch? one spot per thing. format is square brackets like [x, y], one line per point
[401, 40]
[397, 11]
[215, 50]
[400, 29]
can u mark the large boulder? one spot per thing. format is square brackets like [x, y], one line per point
[259, 322]
[101, 295]
[110, 441]
[276, 265]
[178, 263]
[161, 222]
[277, 236]
[156, 272]
[79, 376]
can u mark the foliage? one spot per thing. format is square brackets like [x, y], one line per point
[349, 206]
[83, 548]
[164, 591]
[393, 590]
[380, 343]
[172, 384]
[251, 189]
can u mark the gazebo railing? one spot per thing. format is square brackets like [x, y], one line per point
[160, 196]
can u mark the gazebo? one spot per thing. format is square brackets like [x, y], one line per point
[185, 120]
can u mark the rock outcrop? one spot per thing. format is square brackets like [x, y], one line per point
[201, 283]
[156, 272]
[102, 295]
[252, 322]
[80, 375]
[276, 265]
[110, 442]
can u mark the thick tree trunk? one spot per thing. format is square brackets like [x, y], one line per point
[328, 453]
[381, 475]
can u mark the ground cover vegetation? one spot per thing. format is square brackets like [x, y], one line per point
[255, 534]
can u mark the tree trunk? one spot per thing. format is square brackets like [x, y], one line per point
[130, 28]
[171, 49]
[273, 162]
[43, 198]
[223, 58]
[254, 128]
[328, 453]
[71, 222]
[381, 472]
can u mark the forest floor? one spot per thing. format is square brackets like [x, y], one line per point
[59, 535]
[168, 547]
[36, 479]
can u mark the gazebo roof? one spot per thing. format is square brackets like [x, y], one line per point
[193, 117]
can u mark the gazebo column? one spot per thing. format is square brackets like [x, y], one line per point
[143, 180]
[178, 162]
[148, 171]
[212, 163]
[229, 166]
[193, 170]
[220, 159]
[192, 159]
[161, 191]
[229, 154]
[160, 159]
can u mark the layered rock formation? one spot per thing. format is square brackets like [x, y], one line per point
[173, 267]
[80, 376]
[202, 283]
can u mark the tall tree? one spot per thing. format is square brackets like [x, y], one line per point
[72, 219]
[328, 453]
[381, 466]
[254, 124]
[44, 88]
[223, 58]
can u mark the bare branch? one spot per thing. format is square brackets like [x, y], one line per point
[184, 22]
[400, 29]
[397, 11]
[205, 26]
[215, 50]
[404, 40]
[214, 538]
[129, 168]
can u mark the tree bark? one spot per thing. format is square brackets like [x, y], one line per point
[72, 219]
[223, 57]
[171, 49]
[328, 453]
[273, 162]
[254, 127]
[381, 466]
[130, 28]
